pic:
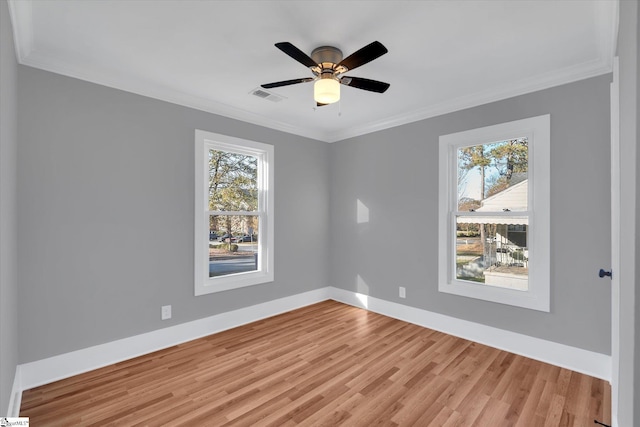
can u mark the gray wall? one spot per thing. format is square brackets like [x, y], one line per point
[629, 45]
[105, 210]
[629, 396]
[8, 210]
[636, 311]
[105, 179]
[395, 174]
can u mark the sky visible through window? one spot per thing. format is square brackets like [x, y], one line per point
[233, 186]
[499, 160]
[491, 243]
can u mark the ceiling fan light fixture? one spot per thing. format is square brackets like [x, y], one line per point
[328, 66]
[326, 90]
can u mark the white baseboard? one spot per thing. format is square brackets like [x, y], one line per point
[573, 358]
[54, 368]
[15, 399]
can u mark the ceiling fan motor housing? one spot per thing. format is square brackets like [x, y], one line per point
[328, 66]
[327, 56]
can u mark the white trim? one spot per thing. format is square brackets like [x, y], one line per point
[21, 17]
[15, 400]
[607, 18]
[538, 132]
[76, 362]
[541, 82]
[203, 284]
[62, 366]
[629, 133]
[162, 93]
[615, 241]
[21, 14]
[546, 81]
[573, 358]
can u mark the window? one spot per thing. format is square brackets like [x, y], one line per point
[494, 213]
[233, 213]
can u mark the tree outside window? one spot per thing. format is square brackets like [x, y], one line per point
[494, 213]
[233, 187]
[492, 178]
[234, 213]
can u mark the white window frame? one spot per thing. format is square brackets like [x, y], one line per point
[205, 141]
[537, 132]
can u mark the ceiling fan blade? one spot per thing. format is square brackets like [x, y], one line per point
[366, 84]
[320, 104]
[287, 82]
[364, 55]
[296, 54]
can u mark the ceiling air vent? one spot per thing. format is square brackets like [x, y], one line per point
[264, 94]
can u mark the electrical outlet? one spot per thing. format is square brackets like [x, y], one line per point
[166, 312]
[403, 292]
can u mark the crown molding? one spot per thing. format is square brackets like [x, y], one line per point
[21, 15]
[605, 15]
[166, 94]
[541, 82]
[544, 81]
[607, 19]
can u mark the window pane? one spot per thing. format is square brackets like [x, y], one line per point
[233, 244]
[233, 181]
[494, 254]
[493, 177]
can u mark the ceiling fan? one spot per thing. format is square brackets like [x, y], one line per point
[328, 66]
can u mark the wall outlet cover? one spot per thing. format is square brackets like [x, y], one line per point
[166, 312]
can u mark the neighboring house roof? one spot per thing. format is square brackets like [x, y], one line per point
[513, 198]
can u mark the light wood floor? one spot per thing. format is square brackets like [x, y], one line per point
[328, 364]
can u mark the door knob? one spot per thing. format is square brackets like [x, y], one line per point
[603, 273]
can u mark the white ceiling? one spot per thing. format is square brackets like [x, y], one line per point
[210, 55]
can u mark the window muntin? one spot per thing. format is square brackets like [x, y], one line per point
[501, 220]
[234, 213]
[492, 195]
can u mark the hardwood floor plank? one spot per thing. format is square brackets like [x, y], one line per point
[530, 405]
[495, 414]
[471, 408]
[418, 399]
[556, 408]
[327, 364]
